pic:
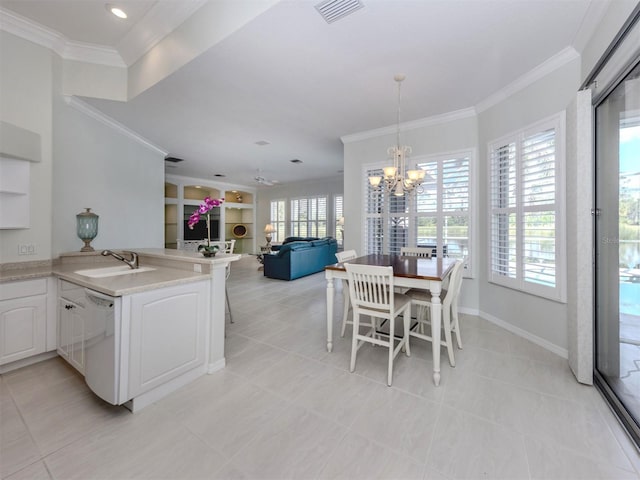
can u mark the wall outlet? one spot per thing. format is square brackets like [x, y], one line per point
[26, 249]
[197, 268]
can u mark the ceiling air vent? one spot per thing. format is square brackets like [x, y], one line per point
[173, 159]
[332, 10]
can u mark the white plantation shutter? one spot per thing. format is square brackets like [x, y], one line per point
[439, 217]
[538, 205]
[374, 200]
[525, 189]
[503, 210]
[309, 217]
[299, 217]
[278, 220]
[455, 193]
[442, 210]
[337, 213]
[398, 223]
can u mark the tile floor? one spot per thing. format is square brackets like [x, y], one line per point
[286, 409]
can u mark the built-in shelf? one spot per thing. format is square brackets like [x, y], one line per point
[19, 148]
[14, 193]
[182, 197]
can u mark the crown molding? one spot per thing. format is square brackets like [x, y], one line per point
[412, 125]
[162, 19]
[90, 53]
[553, 63]
[96, 114]
[23, 28]
[39, 34]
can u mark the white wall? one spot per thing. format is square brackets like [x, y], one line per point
[98, 167]
[25, 101]
[84, 164]
[550, 95]
[264, 196]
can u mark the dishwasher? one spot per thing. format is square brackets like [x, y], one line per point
[100, 348]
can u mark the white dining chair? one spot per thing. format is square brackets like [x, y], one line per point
[227, 247]
[449, 311]
[416, 252]
[342, 257]
[371, 292]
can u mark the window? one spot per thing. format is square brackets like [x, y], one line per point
[439, 217]
[527, 215]
[278, 218]
[374, 231]
[309, 217]
[337, 215]
[442, 215]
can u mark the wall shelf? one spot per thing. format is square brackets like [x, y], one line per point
[183, 195]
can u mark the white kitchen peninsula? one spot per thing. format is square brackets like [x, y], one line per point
[216, 269]
[168, 321]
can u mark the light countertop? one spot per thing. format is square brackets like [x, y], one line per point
[170, 267]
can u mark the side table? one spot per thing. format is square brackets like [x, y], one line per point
[264, 249]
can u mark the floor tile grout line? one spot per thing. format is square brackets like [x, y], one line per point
[378, 382]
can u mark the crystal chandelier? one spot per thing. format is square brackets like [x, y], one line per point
[397, 179]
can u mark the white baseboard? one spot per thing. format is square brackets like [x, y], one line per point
[215, 366]
[27, 361]
[138, 403]
[546, 344]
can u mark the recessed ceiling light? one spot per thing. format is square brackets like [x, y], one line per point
[197, 186]
[117, 11]
[262, 143]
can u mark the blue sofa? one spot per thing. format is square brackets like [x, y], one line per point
[298, 257]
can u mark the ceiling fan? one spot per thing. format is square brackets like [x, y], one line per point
[264, 181]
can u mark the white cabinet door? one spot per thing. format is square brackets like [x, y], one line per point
[167, 335]
[71, 333]
[23, 328]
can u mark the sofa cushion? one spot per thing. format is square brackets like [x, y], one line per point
[298, 239]
[292, 246]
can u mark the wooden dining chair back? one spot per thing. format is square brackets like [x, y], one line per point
[342, 257]
[449, 297]
[416, 252]
[371, 292]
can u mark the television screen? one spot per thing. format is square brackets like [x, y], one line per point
[199, 231]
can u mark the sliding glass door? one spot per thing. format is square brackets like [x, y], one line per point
[617, 249]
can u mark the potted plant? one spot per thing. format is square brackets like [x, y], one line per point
[205, 208]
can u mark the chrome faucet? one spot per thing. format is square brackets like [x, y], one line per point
[133, 263]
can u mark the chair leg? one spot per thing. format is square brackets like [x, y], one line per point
[456, 324]
[226, 294]
[446, 324]
[354, 340]
[391, 350]
[407, 328]
[345, 313]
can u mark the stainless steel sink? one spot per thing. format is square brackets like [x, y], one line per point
[112, 271]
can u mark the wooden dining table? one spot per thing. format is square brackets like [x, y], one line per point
[408, 272]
